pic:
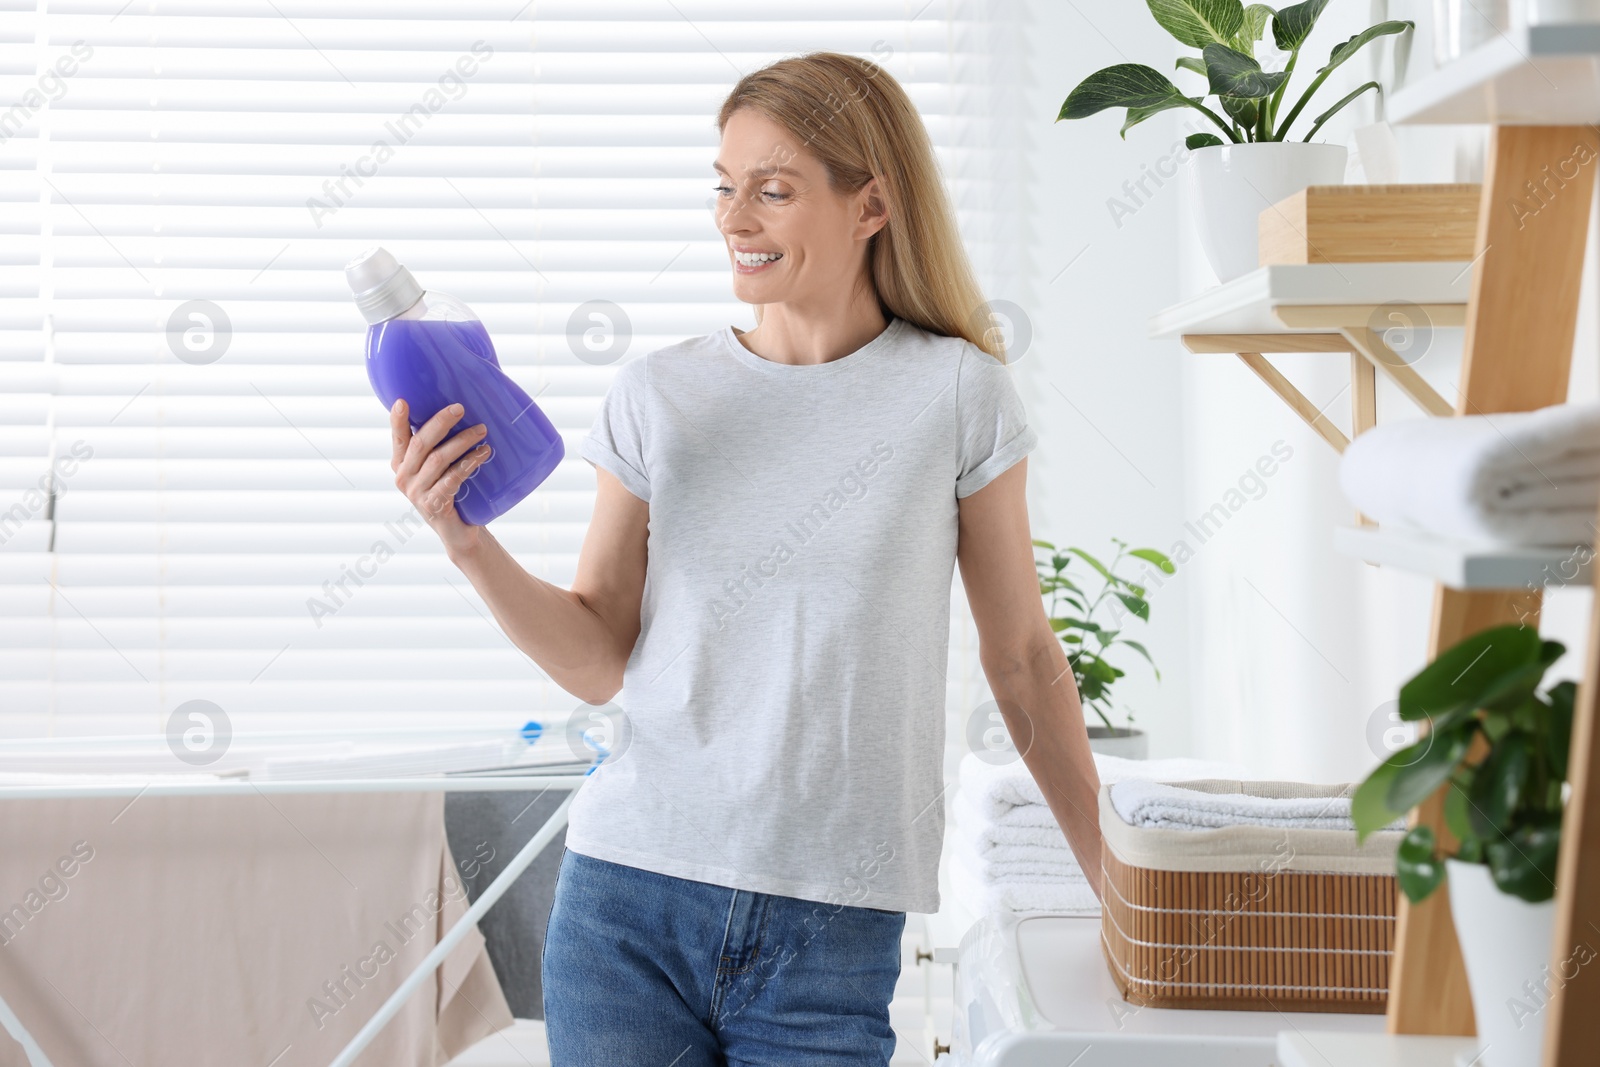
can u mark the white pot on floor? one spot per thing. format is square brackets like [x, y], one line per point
[1232, 184]
[1506, 943]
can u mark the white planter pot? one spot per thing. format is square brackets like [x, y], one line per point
[1506, 943]
[1125, 742]
[1232, 184]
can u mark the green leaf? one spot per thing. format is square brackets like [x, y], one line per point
[1103, 671]
[1201, 140]
[1469, 672]
[1497, 785]
[1523, 863]
[1292, 25]
[1091, 561]
[1336, 108]
[1415, 782]
[1256, 17]
[1138, 605]
[1239, 109]
[1192, 63]
[1043, 544]
[1349, 48]
[1418, 871]
[1130, 85]
[1137, 115]
[1198, 23]
[1060, 624]
[1137, 647]
[1455, 814]
[1233, 73]
[1083, 624]
[1511, 692]
[1369, 805]
[1150, 555]
[1558, 738]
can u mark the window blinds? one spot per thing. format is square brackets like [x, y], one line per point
[195, 494]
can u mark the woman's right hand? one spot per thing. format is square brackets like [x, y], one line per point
[429, 473]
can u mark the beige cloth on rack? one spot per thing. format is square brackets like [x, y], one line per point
[252, 930]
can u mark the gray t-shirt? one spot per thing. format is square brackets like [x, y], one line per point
[785, 701]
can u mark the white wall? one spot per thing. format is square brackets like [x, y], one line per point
[1107, 402]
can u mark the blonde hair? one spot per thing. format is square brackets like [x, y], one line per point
[857, 120]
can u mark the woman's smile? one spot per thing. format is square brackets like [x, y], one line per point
[753, 260]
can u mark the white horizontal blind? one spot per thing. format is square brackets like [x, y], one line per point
[223, 523]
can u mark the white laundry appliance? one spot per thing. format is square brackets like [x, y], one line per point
[1034, 991]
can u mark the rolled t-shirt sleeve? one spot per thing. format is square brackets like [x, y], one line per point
[616, 441]
[994, 430]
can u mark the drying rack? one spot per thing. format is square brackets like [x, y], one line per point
[208, 785]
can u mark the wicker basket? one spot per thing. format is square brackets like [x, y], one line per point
[1248, 917]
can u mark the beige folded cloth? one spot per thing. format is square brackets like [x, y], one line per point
[254, 930]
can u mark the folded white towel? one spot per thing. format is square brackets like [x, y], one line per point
[1026, 861]
[1030, 825]
[1025, 896]
[1154, 804]
[1519, 478]
[997, 790]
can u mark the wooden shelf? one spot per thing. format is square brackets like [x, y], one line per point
[1460, 565]
[1343, 308]
[1534, 76]
[1248, 304]
[1317, 1048]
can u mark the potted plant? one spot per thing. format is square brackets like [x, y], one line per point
[1501, 748]
[1088, 640]
[1249, 163]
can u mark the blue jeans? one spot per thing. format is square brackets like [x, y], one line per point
[648, 970]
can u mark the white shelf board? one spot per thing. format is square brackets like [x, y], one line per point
[1466, 566]
[1317, 1048]
[1245, 304]
[1532, 76]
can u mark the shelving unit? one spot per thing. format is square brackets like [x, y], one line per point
[1531, 76]
[1460, 565]
[1539, 90]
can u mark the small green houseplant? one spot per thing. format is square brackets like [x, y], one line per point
[1072, 614]
[1245, 162]
[1226, 33]
[1504, 808]
[1500, 747]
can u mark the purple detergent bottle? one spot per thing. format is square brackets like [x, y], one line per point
[431, 350]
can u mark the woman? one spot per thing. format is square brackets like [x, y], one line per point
[767, 573]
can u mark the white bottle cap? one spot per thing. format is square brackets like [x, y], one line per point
[383, 288]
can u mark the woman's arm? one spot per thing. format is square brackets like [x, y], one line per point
[1026, 667]
[582, 636]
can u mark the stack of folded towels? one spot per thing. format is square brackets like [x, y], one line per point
[1513, 478]
[1007, 850]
